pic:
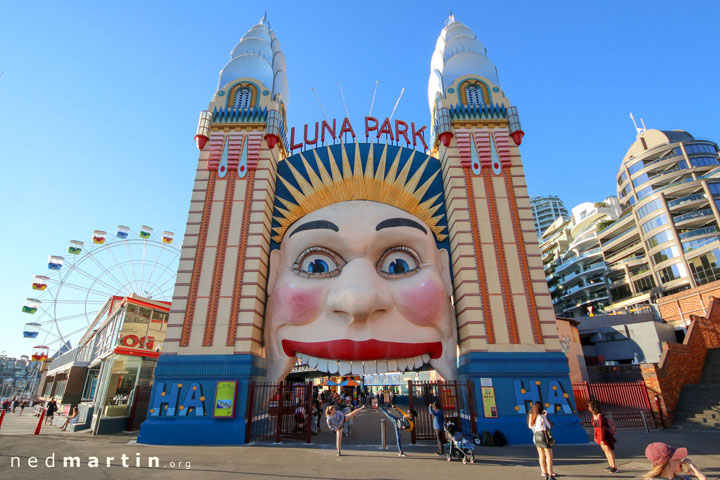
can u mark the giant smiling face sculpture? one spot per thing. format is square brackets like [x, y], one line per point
[360, 286]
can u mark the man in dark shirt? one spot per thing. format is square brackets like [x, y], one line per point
[51, 409]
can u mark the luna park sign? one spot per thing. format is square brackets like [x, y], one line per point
[395, 131]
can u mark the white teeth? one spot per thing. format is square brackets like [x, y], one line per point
[402, 364]
[322, 364]
[381, 366]
[368, 367]
[344, 367]
[357, 367]
[392, 365]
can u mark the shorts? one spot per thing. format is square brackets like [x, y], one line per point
[539, 440]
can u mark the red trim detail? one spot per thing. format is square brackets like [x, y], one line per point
[136, 353]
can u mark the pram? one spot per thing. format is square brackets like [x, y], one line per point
[458, 445]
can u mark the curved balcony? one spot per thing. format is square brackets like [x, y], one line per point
[687, 200]
[698, 232]
[610, 258]
[691, 217]
[590, 253]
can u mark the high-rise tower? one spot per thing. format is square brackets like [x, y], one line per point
[508, 339]
[216, 321]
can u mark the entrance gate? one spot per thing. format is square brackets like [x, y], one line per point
[277, 411]
[456, 401]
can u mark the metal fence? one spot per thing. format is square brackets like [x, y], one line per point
[627, 404]
[456, 401]
[277, 411]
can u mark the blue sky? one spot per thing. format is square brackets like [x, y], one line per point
[99, 101]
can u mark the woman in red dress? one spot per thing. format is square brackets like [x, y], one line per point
[603, 437]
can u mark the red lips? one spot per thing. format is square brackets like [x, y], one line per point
[366, 350]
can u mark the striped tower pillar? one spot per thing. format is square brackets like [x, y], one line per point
[508, 339]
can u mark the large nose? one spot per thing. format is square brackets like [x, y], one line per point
[358, 293]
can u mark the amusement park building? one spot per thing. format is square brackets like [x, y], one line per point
[252, 297]
[667, 238]
[117, 353]
[573, 263]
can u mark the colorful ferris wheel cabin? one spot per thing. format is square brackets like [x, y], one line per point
[31, 305]
[40, 353]
[75, 247]
[55, 262]
[31, 330]
[167, 237]
[40, 282]
[123, 232]
[145, 232]
[99, 236]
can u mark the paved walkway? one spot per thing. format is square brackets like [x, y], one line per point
[361, 459]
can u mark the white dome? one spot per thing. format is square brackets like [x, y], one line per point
[458, 52]
[468, 63]
[253, 46]
[258, 56]
[247, 66]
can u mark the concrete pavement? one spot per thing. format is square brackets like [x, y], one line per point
[361, 459]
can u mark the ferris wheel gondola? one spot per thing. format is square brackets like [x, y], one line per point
[77, 286]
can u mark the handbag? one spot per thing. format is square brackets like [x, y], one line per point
[549, 439]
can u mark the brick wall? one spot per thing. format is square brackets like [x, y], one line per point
[676, 309]
[681, 363]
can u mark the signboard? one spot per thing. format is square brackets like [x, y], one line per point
[225, 399]
[489, 404]
[486, 382]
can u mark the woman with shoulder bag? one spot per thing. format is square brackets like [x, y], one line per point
[543, 439]
[603, 435]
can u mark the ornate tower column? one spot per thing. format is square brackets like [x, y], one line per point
[215, 327]
[507, 338]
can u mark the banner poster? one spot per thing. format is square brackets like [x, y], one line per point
[225, 399]
[489, 405]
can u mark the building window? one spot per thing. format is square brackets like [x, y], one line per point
[665, 254]
[242, 98]
[706, 268]
[662, 237]
[703, 161]
[699, 148]
[673, 272]
[474, 95]
[654, 223]
[649, 208]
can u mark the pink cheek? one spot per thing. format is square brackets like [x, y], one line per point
[423, 304]
[295, 305]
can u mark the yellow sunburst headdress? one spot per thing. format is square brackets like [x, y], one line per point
[412, 185]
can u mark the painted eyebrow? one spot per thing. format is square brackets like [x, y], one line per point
[315, 224]
[400, 222]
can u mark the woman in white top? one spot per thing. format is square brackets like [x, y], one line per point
[538, 423]
[336, 420]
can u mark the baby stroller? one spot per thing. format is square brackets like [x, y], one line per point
[458, 445]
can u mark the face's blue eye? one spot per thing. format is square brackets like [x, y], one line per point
[399, 266]
[317, 263]
[318, 266]
[398, 262]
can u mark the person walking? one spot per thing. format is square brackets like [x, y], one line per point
[603, 435]
[540, 426]
[22, 407]
[438, 421]
[335, 421]
[405, 422]
[51, 409]
[668, 462]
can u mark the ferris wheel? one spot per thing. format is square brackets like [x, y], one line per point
[78, 283]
